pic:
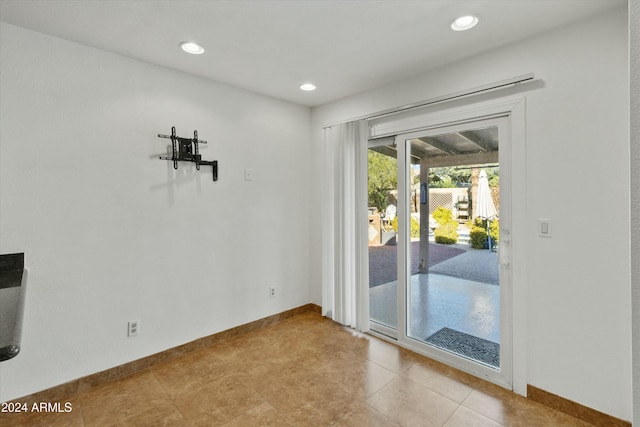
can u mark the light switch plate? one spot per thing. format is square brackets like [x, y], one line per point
[248, 174]
[544, 227]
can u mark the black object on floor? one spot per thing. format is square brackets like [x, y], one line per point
[478, 349]
[12, 286]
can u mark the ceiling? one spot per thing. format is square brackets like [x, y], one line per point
[273, 46]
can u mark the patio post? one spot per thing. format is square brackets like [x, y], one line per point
[423, 266]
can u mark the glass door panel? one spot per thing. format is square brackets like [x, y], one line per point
[451, 210]
[381, 233]
[453, 291]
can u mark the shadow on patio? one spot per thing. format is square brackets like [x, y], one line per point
[460, 291]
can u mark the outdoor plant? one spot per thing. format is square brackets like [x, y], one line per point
[447, 233]
[478, 233]
[478, 236]
[494, 228]
[382, 178]
[447, 230]
[442, 215]
[415, 226]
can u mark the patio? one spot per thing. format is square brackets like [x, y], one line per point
[460, 292]
[453, 292]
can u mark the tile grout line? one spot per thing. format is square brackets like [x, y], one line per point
[318, 348]
[83, 384]
[169, 397]
[451, 415]
[476, 412]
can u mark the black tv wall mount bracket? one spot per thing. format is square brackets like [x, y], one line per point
[186, 150]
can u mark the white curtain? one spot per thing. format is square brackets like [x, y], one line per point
[345, 296]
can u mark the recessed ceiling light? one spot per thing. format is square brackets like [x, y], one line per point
[191, 47]
[308, 87]
[464, 23]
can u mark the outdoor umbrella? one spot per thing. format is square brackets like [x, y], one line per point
[484, 206]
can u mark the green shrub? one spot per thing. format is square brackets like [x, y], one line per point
[447, 230]
[415, 226]
[478, 236]
[478, 233]
[442, 215]
[479, 222]
[494, 229]
[447, 233]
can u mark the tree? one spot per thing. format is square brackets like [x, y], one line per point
[448, 177]
[383, 177]
[453, 176]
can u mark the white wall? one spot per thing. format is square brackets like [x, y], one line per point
[634, 16]
[578, 284]
[111, 233]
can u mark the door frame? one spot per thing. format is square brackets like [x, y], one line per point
[513, 108]
[503, 376]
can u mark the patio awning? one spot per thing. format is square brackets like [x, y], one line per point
[475, 146]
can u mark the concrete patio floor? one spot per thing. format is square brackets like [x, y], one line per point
[469, 304]
[439, 301]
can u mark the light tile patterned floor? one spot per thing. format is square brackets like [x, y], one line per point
[304, 371]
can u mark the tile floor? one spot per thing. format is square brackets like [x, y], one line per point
[304, 371]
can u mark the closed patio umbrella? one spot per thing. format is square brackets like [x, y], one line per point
[484, 207]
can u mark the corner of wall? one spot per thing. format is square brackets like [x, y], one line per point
[634, 56]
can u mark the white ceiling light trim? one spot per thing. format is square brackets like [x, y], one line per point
[192, 48]
[308, 87]
[464, 23]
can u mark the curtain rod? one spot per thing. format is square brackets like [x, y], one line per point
[461, 94]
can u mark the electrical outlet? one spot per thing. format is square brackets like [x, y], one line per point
[134, 328]
[272, 291]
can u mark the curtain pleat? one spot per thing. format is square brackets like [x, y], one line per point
[345, 299]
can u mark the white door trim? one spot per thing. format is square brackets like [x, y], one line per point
[514, 109]
[503, 376]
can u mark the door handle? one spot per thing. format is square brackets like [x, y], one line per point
[504, 252]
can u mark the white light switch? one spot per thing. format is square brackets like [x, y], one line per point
[248, 174]
[544, 227]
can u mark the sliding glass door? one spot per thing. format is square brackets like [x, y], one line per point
[447, 292]
[382, 236]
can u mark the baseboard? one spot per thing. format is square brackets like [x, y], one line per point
[574, 409]
[64, 391]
